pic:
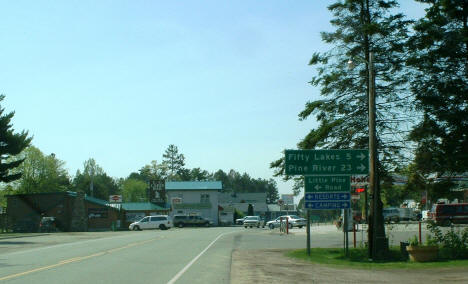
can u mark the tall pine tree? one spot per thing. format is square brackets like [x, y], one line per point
[440, 83]
[361, 27]
[11, 144]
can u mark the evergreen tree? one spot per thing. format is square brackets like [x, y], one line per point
[11, 144]
[440, 83]
[174, 161]
[361, 27]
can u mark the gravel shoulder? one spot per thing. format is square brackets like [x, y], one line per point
[272, 266]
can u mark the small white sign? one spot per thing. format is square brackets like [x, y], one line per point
[359, 180]
[115, 198]
[288, 199]
[355, 196]
[176, 200]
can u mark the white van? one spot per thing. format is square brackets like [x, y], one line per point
[162, 222]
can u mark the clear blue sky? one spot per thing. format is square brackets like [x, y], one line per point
[119, 81]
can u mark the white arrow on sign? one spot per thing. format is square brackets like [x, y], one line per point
[343, 196]
[361, 156]
[317, 187]
[361, 167]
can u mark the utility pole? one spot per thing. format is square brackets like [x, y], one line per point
[378, 233]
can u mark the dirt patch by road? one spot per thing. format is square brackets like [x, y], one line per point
[271, 266]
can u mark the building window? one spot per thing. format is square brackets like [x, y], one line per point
[204, 198]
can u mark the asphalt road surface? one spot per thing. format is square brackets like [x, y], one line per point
[188, 255]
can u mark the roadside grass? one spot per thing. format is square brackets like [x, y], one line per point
[358, 259]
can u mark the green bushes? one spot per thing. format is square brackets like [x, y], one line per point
[452, 244]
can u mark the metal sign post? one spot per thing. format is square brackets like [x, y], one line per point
[308, 232]
[327, 179]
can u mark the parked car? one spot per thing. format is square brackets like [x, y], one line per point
[162, 222]
[184, 220]
[48, 224]
[293, 221]
[240, 221]
[448, 214]
[253, 221]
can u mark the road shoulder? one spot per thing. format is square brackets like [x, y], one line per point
[272, 266]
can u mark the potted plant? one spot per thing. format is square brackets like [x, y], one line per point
[420, 253]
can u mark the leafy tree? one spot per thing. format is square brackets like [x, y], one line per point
[133, 190]
[94, 181]
[198, 174]
[11, 144]
[440, 83]
[361, 27]
[223, 177]
[272, 191]
[154, 171]
[173, 160]
[42, 173]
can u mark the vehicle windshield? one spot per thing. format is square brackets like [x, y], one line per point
[252, 218]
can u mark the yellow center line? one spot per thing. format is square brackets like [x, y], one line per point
[75, 259]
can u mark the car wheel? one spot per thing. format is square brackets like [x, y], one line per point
[271, 226]
[245, 227]
[162, 227]
[258, 226]
[181, 225]
[207, 224]
[136, 228]
[300, 227]
[447, 223]
[290, 226]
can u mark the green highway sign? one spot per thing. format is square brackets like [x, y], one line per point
[327, 162]
[327, 183]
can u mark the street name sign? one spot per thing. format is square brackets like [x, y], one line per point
[327, 162]
[328, 205]
[327, 196]
[327, 183]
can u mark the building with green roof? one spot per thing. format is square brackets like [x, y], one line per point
[194, 198]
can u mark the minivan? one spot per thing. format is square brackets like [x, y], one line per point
[162, 222]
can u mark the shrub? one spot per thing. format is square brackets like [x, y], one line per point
[453, 244]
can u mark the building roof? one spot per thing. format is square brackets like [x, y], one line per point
[193, 185]
[96, 200]
[142, 206]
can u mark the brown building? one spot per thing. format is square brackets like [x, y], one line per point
[72, 211]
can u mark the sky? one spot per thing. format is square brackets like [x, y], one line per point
[118, 81]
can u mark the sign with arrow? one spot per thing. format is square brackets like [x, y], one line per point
[328, 205]
[327, 196]
[327, 183]
[327, 162]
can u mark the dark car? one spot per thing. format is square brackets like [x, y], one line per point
[184, 220]
[48, 224]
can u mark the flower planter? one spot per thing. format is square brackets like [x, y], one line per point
[422, 253]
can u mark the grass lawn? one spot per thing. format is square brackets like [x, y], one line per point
[358, 259]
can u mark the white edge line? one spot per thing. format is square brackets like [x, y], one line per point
[180, 273]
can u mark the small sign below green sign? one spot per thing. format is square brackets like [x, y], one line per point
[327, 183]
[326, 162]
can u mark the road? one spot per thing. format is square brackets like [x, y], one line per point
[188, 255]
